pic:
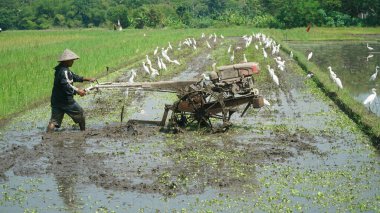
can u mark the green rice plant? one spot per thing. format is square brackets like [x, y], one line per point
[28, 58]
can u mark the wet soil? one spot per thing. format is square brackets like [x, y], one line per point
[149, 163]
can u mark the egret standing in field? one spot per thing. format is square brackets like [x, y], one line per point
[205, 77]
[331, 73]
[155, 51]
[146, 69]
[337, 81]
[159, 63]
[245, 58]
[148, 60]
[309, 56]
[154, 72]
[369, 48]
[232, 58]
[369, 56]
[170, 46]
[370, 98]
[133, 75]
[163, 64]
[265, 53]
[208, 44]
[266, 102]
[374, 75]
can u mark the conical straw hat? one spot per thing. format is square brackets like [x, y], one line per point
[68, 55]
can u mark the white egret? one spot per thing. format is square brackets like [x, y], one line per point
[256, 47]
[232, 56]
[264, 53]
[337, 81]
[369, 56]
[266, 102]
[155, 51]
[291, 54]
[159, 63]
[229, 48]
[163, 64]
[309, 56]
[373, 76]
[245, 58]
[148, 61]
[133, 75]
[205, 77]
[332, 73]
[146, 69]
[154, 72]
[370, 48]
[170, 46]
[221, 36]
[370, 98]
[275, 79]
[213, 67]
[194, 41]
[176, 62]
[208, 44]
[280, 64]
[270, 70]
[309, 75]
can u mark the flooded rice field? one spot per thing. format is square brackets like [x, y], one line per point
[352, 61]
[299, 154]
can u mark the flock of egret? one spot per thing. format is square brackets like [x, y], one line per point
[263, 42]
[369, 100]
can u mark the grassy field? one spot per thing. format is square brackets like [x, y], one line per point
[28, 57]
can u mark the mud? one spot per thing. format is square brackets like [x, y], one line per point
[121, 157]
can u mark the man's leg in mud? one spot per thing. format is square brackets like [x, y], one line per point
[82, 124]
[76, 112]
[56, 119]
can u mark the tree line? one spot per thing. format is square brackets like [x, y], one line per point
[45, 14]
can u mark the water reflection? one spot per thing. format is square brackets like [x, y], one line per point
[353, 63]
[66, 172]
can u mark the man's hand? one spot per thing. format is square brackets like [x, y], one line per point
[81, 92]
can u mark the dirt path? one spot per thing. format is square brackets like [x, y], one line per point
[294, 155]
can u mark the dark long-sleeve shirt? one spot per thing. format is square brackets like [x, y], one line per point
[63, 89]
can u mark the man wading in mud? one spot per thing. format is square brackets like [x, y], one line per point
[62, 97]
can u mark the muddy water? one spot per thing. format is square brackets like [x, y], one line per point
[299, 154]
[349, 61]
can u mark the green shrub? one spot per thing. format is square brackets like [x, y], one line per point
[266, 21]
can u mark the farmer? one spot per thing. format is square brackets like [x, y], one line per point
[62, 97]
